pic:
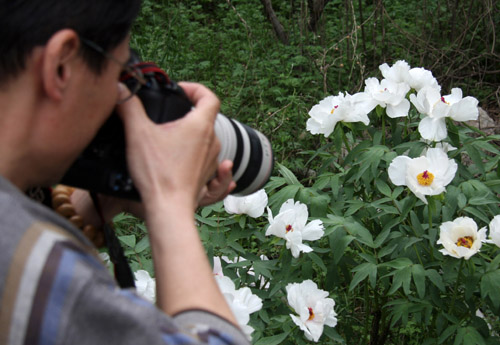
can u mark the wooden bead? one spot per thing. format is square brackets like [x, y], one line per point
[89, 231]
[62, 189]
[99, 240]
[60, 199]
[77, 221]
[66, 210]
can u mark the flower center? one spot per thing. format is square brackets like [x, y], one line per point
[466, 241]
[444, 101]
[289, 228]
[333, 110]
[311, 314]
[425, 178]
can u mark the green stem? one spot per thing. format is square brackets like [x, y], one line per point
[418, 255]
[383, 130]
[455, 292]
[346, 142]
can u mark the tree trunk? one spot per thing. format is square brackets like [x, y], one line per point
[316, 7]
[275, 22]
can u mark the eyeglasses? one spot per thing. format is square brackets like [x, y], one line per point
[137, 78]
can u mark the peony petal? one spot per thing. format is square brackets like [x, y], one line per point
[397, 170]
[399, 110]
[432, 129]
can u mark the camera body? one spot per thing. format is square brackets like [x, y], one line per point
[102, 166]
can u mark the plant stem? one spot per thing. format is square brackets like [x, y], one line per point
[455, 292]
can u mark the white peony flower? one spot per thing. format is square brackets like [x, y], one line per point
[145, 285]
[418, 78]
[460, 238]
[290, 224]
[425, 175]
[390, 95]
[495, 230]
[252, 205]
[313, 307]
[437, 108]
[242, 302]
[333, 109]
[398, 73]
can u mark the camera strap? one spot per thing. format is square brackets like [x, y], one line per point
[150, 69]
[123, 273]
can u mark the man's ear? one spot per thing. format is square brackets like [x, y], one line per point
[58, 63]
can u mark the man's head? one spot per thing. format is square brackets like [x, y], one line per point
[26, 24]
[56, 91]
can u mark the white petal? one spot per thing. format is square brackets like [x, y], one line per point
[465, 110]
[399, 110]
[495, 230]
[432, 129]
[313, 231]
[397, 170]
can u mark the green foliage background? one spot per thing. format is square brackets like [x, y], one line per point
[378, 256]
[230, 47]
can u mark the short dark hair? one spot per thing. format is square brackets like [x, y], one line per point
[26, 24]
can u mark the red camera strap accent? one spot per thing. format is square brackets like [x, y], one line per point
[148, 68]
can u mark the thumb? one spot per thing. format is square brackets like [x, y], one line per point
[131, 111]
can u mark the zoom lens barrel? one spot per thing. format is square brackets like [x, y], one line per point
[250, 152]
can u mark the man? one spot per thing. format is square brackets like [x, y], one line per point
[55, 93]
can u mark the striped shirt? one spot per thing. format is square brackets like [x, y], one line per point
[54, 289]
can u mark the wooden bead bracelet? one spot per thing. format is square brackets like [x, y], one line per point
[61, 203]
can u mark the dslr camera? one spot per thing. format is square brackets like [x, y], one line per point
[102, 166]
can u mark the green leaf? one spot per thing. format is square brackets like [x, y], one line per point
[477, 214]
[490, 283]
[272, 340]
[401, 277]
[476, 157]
[128, 240]
[362, 271]
[142, 245]
[435, 278]
[418, 274]
[360, 232]
[447, 333]
[288, 175]
[383, 187]
[317, 260]
[339, 244]
[288, 192]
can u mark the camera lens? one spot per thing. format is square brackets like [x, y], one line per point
[250, 152]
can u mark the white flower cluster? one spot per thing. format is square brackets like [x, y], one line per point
[242, 301]
[314, 308]
[391, 93]
[311, 304]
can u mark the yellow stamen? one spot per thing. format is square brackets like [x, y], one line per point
[466, 241]
[425, 178]
[333, 110]
[311, 314]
